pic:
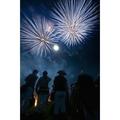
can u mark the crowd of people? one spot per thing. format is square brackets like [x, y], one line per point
[59, 104]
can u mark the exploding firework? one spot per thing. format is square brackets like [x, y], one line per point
[37, 35]
[74, 19]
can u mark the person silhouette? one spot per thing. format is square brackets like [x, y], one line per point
[85, 97]
[27, 91]
[31, 79]
[61, 90]
[42, 87]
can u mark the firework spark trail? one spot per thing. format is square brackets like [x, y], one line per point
[74, 19]
[37, 35]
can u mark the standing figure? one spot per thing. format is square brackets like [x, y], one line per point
[42, 87]
[85, 98]
[31, 79]
[27, 91]
[61, 90]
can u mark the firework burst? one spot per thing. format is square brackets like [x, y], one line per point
[74, 20]
[37, 35]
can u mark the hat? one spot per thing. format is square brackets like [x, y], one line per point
[35, 71]
[45, 72]
[61, 72]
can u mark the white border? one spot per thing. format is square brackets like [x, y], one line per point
[110, 60]
[10, 58]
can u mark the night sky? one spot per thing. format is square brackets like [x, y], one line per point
[84, 57]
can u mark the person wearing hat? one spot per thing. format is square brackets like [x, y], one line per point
[42, 87]
[60, 89]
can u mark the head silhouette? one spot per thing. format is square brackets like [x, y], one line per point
[35, 72]
[45, 73]
[61, 72]
[85, 80]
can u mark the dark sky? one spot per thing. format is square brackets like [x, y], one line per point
[83, 57]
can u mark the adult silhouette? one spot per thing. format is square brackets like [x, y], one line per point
[61, 90]
[85, 97]
[31, 79]
[42, 87]
[27, 91]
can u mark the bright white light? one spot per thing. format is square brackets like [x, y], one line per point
[74, 20]
[56, 47]
[36, 100]
[37, 35]
[49, 28]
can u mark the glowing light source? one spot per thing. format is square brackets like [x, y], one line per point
[74, 20]
[49, 99]
[36, 100]
[49, 28]
[56, 47]
[37, 35]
